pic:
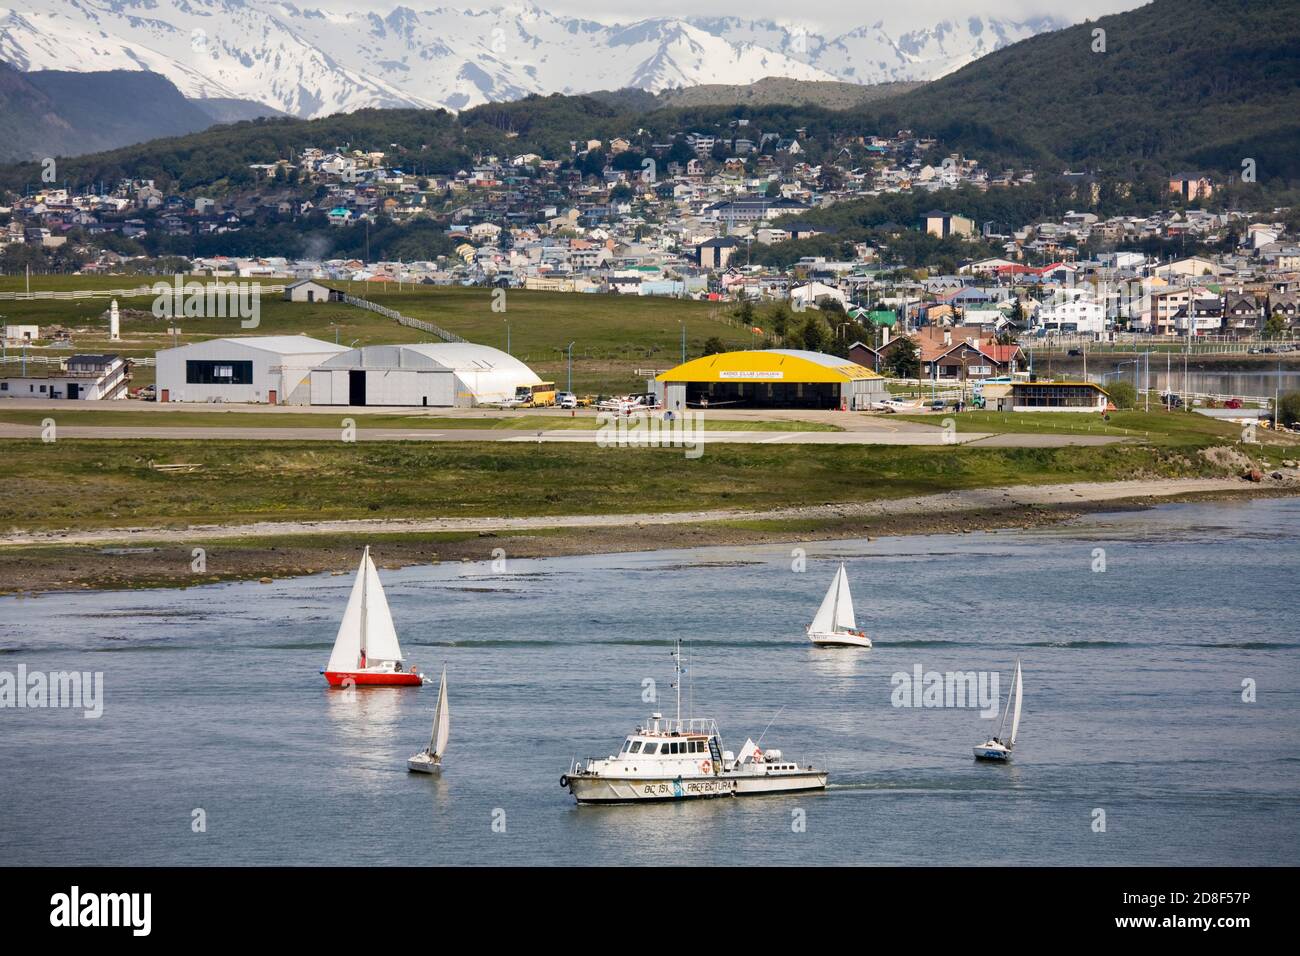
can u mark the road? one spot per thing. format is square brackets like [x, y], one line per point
[905, 434]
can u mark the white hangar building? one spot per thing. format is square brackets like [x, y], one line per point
[434, 374]
[259, 369]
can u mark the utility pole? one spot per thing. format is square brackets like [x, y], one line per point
[570, 388]
[1277, 388]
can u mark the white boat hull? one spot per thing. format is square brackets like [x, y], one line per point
[839, 639]
[423, 763]
[593, 788]
[992, 751]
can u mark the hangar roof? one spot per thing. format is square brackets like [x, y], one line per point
[768, 365]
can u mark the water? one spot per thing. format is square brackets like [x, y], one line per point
[1252, 384]
[1133, 678]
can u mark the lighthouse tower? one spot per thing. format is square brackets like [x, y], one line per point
[114, 323]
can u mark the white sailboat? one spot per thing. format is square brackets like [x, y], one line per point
[429, 760]
[366, 649]
[996, 749]
[834, 625]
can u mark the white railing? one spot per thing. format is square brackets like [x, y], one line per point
[686, 725]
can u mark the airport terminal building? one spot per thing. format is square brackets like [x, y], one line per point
[770, 378]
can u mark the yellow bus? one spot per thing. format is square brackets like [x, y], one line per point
[535, 396]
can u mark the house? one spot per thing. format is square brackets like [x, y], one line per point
[80, 378]
[1054, 397]
[942, 224]
[716, 253]
[1286, 304]
[1191, 186]
[1242, 314]
[309, 290]
[17, 334]
[815, 294]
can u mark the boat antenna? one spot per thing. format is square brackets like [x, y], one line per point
[690, 690]
[677, 661]
[769, 726]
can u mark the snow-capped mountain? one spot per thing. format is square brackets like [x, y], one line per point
[311, 62]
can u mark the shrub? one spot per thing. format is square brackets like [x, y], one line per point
[1123, 394]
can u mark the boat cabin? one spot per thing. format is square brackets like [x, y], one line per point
[670, 747]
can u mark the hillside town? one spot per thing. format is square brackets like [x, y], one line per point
[709, 216]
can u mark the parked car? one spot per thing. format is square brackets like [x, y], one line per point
[566, 400]
[938, 405]
[1232, 403]
[1173, 401]
[1075, 353]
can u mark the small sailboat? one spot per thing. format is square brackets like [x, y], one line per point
[834, 625]
[996, 749]
[366, 649]
[429, 760]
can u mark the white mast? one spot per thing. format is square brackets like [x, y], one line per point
[1002, 723]
[441, 720]
[365, 574]
[1017, 689]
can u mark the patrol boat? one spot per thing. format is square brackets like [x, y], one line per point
[683, 759]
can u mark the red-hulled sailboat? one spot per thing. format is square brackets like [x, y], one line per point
[366, 649]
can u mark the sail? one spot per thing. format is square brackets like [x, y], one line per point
[1015, 717]
[844, 620]
[824, 622]
[346, 655]
[380, 635]
[441, 720]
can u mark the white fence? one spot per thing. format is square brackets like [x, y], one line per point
[122, 293]
[402, 319]
[19, 359]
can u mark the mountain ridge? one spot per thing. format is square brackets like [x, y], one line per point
[312, 63]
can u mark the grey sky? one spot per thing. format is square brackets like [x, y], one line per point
[817, 14]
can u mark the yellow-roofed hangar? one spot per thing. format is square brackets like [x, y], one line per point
[770, 378]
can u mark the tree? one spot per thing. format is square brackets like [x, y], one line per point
[1276, 325]
[781, 321]
[905, 359]
[746, 313]
[714, 345]
[1123, 394]
[1288, 408]
[816, 334]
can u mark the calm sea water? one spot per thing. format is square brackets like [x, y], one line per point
[1133, 683]
[1262, 383]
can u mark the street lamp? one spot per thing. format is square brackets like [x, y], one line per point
[570, 350]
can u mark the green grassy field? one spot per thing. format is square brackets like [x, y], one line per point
[110, 417]
[613, 335]
[1163, 428]
[89, 484]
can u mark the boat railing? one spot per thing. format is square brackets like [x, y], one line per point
[687, 725]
